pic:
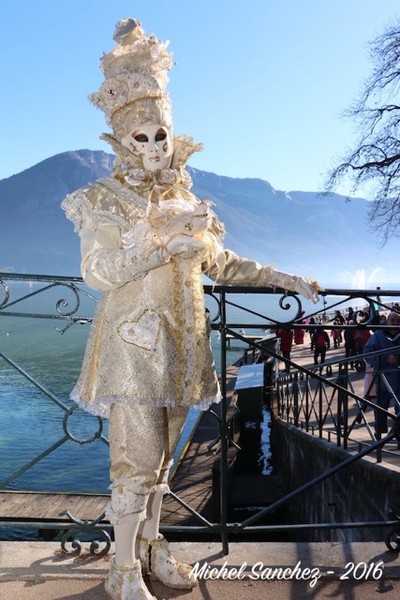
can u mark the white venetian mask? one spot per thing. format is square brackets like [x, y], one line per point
[154, 143]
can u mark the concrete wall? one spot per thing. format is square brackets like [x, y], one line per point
[363, 491]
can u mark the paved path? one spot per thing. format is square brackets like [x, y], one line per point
[36, 570]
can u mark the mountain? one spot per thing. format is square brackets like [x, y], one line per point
[319, 236]
[35, 235]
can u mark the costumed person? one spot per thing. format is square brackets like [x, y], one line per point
[145, 242]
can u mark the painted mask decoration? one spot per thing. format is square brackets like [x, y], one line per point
[153, 143]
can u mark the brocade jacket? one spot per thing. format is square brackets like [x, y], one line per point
[148, 342]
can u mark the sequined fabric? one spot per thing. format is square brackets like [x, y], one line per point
[147, 346]
[142, 442]
[148, 343]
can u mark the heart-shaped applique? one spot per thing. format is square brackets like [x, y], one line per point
[142, 331]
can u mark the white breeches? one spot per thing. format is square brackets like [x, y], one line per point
[142, 442]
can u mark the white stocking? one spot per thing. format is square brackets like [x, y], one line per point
[125, 511]
[148, 529]
[125, 538]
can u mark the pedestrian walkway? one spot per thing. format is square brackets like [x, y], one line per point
[362, 430]
[276, 571]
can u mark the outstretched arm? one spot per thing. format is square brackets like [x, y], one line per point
[242, 271]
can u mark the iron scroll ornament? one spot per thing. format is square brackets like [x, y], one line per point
[82, 527]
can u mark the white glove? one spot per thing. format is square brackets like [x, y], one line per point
[139, 263]
[107, 263]
[178, 217]
[301, 285]
[143, 252]
[307, 289]
[186, 246]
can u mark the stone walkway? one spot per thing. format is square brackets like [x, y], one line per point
[253, 571]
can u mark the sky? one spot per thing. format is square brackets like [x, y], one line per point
[263, 84]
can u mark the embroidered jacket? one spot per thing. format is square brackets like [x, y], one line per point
[148, 342]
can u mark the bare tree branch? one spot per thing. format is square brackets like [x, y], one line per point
[376, 158]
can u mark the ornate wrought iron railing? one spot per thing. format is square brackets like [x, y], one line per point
[303, 396]
[337, 405]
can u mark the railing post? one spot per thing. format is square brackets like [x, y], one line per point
[378, 416]
[345, 419]
[223, 433]
[307, 403]
[320, 408]
[296, 399]
[342, 408]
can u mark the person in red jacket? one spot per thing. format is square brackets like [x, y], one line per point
[320, 344]
[299, 331]
[285, 336]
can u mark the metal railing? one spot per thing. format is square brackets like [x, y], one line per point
[337, 406]
[305, 397]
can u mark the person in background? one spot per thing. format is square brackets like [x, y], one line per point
[311, 328]
[361, 337]
[336, 335]
[320, 344]
[146, 240]
[349, 336]
[350, 343]
[299, 331]
[285, 334]
[340, 320]
[385, 367]
[351, 317]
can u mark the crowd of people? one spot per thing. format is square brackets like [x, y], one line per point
[333, 337]
[360, 346]
[320, 339]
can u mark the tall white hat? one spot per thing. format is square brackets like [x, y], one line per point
[134, 91]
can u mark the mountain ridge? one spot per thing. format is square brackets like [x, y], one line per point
[326, 237]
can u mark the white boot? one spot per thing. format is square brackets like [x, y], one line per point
[157, 561]
[126, 583]
[153, 551]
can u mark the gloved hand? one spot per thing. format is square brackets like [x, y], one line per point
[178, 217]
[307, 288]
[110, 260]
[186, 246]
[142, 249]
